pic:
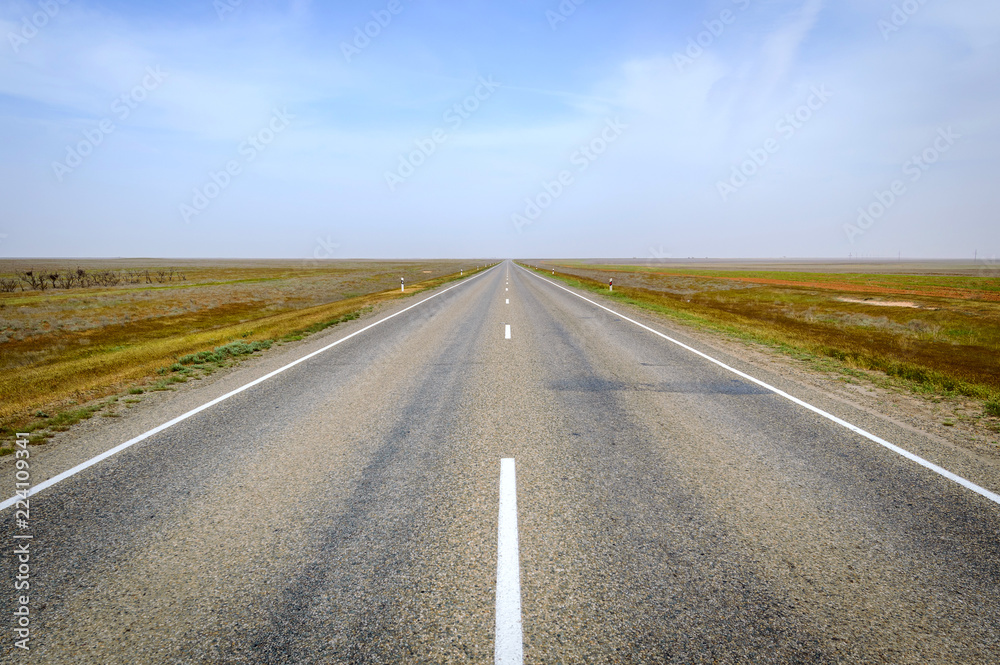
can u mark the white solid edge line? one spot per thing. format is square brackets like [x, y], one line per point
[145, 435]
[992, 496]
[508, 645]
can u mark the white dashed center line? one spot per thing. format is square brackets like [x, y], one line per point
[506, 331]
[508, 640]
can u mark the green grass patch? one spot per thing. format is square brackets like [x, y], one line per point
[46, 426]
[221, 354]
[67, 418]
[301, 333]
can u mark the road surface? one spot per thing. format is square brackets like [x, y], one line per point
[660, 509]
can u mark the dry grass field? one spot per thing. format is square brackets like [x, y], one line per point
[64, 350]
[932, 327]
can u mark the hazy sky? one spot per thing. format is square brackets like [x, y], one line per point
[728, 128]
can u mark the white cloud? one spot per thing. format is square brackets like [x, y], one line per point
[686, 128]
[780, 49]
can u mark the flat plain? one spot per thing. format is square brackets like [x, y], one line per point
[122, 325]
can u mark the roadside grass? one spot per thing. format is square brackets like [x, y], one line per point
[75, 382]
[322, 325]
[44, 426]
[220, 354]
[950, 349]
[975, 286]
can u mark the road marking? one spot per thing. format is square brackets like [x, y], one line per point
[170, 423]
[508, 301]
[941, 471]
[508, 646]
[506, 331]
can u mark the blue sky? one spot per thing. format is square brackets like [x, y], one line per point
[746, 128]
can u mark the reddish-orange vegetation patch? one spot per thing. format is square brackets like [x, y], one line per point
[935, 292]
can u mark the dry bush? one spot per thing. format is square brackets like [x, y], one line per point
[67, 279]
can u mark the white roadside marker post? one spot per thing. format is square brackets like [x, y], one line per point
[401, 288]
[611, 284]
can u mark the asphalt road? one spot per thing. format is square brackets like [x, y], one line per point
[346, 510]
